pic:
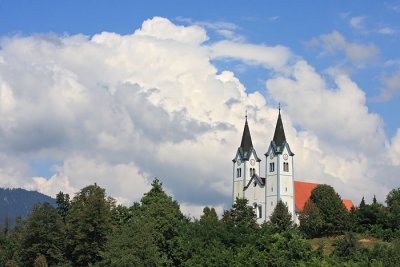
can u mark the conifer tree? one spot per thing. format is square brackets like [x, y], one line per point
[162, 213]
[43, 234]
[281, 217]
[63, 204]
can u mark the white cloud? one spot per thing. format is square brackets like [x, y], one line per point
[161, 28]
[357, 22]
[120, 110]
[359, 54]
[342, 133]
[225, 29]
[389, 88]
[275, 57]
[394, 151]
[387, 31]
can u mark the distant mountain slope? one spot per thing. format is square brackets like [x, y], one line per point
[19, 201]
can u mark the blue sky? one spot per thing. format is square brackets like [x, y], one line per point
[358, 39]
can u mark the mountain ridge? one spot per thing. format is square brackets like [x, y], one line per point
[19, 202]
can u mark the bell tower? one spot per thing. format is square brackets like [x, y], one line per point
[245, 164]
[279, 172]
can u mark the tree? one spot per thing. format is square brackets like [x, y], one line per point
[362, 203]
[368, 216]
[243, 215]
[43, 235]
[63, 204]
[88, 225]
[281, 217]
[164, 215]
[132, 245]
[240, 225]
[201, 243]
[346, 246]
[333, 211]
[393, 203]
[311, 220]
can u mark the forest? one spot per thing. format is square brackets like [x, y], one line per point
[90, 229]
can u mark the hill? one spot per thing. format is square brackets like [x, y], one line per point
[14, 202]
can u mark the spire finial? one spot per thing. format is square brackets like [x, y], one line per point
[279, 107]
[246, 115]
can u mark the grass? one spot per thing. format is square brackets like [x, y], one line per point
[328, 242]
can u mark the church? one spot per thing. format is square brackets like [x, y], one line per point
[278, 183]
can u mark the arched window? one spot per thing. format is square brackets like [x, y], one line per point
[271, 167]
[286, 166]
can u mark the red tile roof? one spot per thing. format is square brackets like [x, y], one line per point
[303, 192]
[348, 204]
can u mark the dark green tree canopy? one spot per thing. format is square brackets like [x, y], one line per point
[43, 235]
[281, 217]
[311, 220]
[88, 225]
[333, 211]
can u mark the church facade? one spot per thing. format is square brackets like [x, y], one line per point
[277, 182]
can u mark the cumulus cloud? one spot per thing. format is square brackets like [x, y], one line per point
[359, 54]
[342, 134]
[390, 87]
[275, 57]
[120, 110]
[394, 152]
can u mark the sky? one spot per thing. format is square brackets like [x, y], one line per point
[118, 93]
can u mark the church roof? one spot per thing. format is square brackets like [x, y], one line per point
[348, 204]
[279, 135]
[302, 192]
[246, 145]
[260, 180]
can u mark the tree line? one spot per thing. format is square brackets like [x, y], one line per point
[91, 230]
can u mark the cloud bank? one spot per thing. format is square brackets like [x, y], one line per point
[120, 110]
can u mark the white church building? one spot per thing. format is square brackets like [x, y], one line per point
[278, 183]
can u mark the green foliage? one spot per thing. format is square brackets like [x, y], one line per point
[132, 245]
[11, 263]
[311, 220]
[287, 248]
[63, 204]
[334, 213]
[393, 203]
[7, 248]
[164, 215]
[155, 233]
[121, 215]
[88, 225]
[281, 217]
[242, 215]
[346, 246]
[40, 261]
[368, 216]
[43, 234]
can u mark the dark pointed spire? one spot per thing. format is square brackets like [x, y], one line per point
[246, 145]
[279, 135]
